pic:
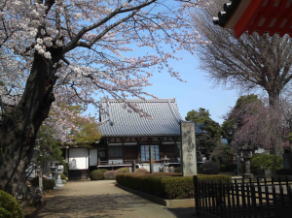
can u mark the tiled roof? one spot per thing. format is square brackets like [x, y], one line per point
[120, 120]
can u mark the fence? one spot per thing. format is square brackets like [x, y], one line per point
[244, 198]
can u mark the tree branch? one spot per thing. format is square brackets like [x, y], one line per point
[73, 43]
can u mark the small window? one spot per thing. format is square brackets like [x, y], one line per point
[145, 152]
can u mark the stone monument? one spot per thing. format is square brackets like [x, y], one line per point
[188, 149]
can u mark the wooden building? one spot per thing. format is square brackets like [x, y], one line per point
[132, 139]
[261, 16]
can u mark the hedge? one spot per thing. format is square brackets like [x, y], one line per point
[97, 174]
[209, 167]
[214, 178]
[9, 206]
[266, 161]
[284, 172]
[169, 187]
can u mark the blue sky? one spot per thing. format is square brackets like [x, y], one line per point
[198, 91]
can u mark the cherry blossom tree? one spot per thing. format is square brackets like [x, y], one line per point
[76, 50]
[252, 124]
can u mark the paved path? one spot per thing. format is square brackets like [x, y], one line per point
[89, 199]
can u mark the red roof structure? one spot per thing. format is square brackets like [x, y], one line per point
[261, 16]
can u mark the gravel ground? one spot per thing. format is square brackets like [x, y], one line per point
[89, 199]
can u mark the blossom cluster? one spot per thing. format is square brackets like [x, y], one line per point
[106, 48]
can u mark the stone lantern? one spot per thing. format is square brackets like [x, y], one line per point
[245, 157]
[59, 170]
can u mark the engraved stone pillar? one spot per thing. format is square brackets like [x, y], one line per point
[188, 149]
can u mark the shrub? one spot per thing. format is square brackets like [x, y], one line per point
[214, 178]
[266, 161]
[47, 183]
[170, 187]
[178, 187]
[97, 174]
[64, 177]
[4, 213]
[209, 167]
[284, 172]
[9, 206]
[178, 170]
[141, 171]
[166, 174]
[66, 169]
[123, 170]
[163, 186]
[110, 174]
[145, 183]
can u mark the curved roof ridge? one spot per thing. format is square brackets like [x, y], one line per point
[178, 118]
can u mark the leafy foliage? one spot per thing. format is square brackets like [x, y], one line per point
[284, 172]
[208, 132]
[267, 161]
[97, 174]
[213, 178]
[228, 129]
[50, 146]
[290, 137]
[209, 167]
[48, 184]
[163, 186]
[223, 155]
[111, 174]
[88, 132]
[9, 206]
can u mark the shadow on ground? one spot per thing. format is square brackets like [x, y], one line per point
[105, 205]
[188, 212]
[89, 205]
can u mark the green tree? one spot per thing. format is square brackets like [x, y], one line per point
[49, 145]
[267, 161]
[87, 133]
[236, 118]
[228, 129]
[224, 156]
[208, 132]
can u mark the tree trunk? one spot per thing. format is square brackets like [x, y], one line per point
[19, 126]
[274, 99]
[274, 102]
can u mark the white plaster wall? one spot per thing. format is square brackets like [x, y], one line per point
[78, 159]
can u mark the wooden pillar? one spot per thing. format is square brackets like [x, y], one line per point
[150, 160]
[150, 155]
[97, 158]
[139, 148]
[123, 149]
